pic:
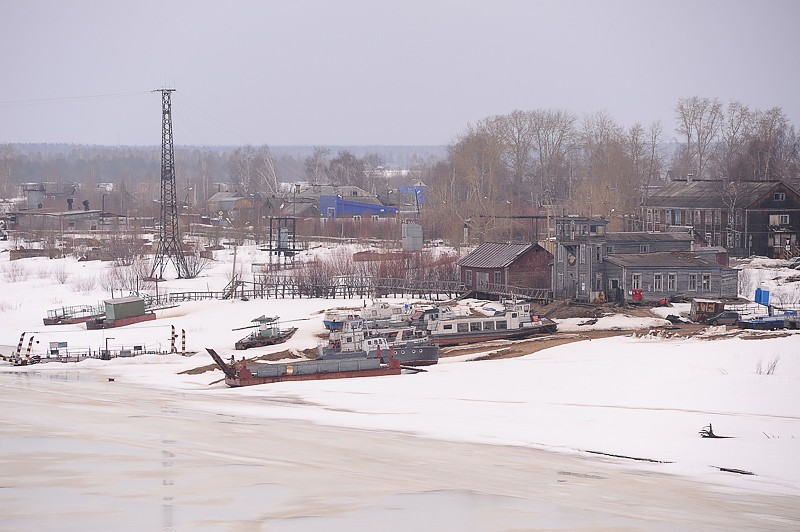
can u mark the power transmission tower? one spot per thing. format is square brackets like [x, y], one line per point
[169, 237]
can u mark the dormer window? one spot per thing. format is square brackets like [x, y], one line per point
[779, 196]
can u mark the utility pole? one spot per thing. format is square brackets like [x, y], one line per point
[169, 238]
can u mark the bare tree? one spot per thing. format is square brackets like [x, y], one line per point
[317, 165]
[766, 142]
[554, 131]
[699, 120]
[252, 170]
[347, 169]
[517, 136]
[734, 132]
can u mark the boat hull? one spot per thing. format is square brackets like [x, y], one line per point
[244, 373]
[261, 341]
[406, 355]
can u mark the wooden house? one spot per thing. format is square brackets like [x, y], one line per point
[746, 217]
[503, 268]
[665, 274]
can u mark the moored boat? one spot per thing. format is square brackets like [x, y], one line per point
[514, 322]
[246, 373]
[268, 333]
[354, 340]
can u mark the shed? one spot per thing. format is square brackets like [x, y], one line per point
[495, 267]
[124, 307]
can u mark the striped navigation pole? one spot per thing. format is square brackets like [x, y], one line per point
[183, 342]
[172, 337]
[28, 352]
[19, 345]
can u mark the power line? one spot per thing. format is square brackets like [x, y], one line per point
[66, 99]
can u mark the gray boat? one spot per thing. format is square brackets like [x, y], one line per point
[354, 341]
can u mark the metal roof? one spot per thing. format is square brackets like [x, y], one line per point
[663, 259]
[639, 236]
[495, 255]
[712, 194]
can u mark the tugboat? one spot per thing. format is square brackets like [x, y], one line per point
[268, 333]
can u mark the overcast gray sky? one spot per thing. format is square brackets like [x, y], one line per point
[376, 72]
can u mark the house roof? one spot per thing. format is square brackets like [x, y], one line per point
[712, 194]
[495, 255]
[347, 192]
[640, 236]
[663, 259]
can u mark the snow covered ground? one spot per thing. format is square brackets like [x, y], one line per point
[629, 396]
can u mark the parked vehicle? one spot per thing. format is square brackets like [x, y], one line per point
[726, 317]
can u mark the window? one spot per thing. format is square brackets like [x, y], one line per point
[636, 281]
[609, 250]
[501, 324]
[693, 282]
[668, 217]
[644, 248]
[717, 217]
[671, 282]
[448, 327]
[475, 326]
[706, 282]
[462, 327]
[582, 253]
[598, 282]
[357, 218]
[649, 215]
[783, 219]
[375, 218]
[696, 220]
[779, 196]
[498, 277]
[677, 217]
[657, 215]
[658, 282]
[488, 325]
[598, 255]
[468, 278]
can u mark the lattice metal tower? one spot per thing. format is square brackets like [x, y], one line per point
[169, 237]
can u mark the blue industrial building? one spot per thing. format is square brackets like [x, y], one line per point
[333, 206]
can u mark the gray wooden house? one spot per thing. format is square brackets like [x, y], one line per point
[746, 217]
[585, 267]
[506, 269]
[665, 274]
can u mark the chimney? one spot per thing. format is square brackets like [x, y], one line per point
[69, 203]
[689, 178]
[86, 205]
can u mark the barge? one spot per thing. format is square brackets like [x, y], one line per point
[245, 373]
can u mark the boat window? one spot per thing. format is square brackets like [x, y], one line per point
[501, 324]
[513, 314]
[462, 327]
[488, 325]
[475, 326]
[448, 327]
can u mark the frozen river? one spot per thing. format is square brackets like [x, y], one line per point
[80, 453]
